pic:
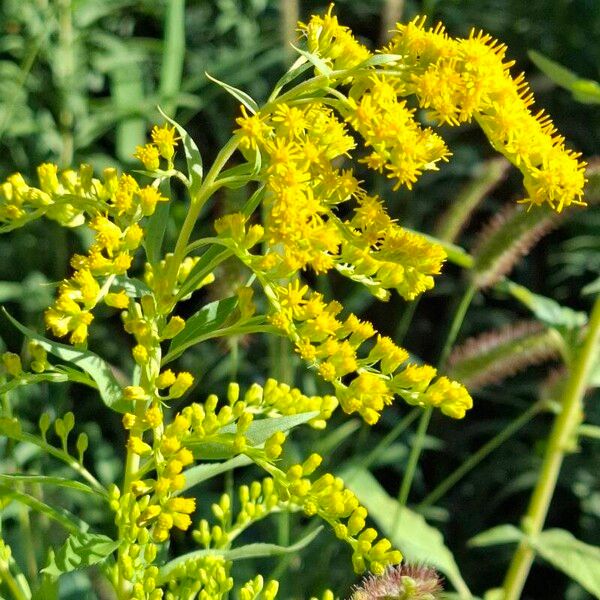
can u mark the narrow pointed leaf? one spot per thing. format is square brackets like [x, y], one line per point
[79, 551]
[201, 473]
[192, 156]
[68, 520]
[241, 553]
[502, 534]
[11, 480]
[244, 98]
[108, 387]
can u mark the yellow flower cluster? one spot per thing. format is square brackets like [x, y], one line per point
[326, 37]
[326, 497]
[303, 190]
[457, 80]
[333, 346]
[280, 399]
[20, 202]
[111, 207]
[205, 578]
[401, 147]
[383, 256]
[164, 142]
[464, 79]
[299, 144]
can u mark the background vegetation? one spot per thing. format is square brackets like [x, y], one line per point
[81, 80]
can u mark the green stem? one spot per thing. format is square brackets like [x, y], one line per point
[413, 459]
[389, 438]
[7, 577]
[457, 321]
[478, 456]
[417, 446]
[173, 56]
[563, 429]
[67, 70]
[207, 189]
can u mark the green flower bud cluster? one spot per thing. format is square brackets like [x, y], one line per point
[205, 578]
[256, 589]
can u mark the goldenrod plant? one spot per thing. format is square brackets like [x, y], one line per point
[306, 213]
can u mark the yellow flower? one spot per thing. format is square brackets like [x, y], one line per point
[165, 138]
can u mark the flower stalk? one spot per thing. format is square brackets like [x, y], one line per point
[559, 443]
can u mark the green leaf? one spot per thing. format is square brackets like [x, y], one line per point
[48, 587]
[10, 291]
[193, 157]
[320, 65]
[380, 59]
[157, 225]
[207, 263]
[68, 520]
[79, 551]
[92, 364]
[559, 74]
[578, 560]
[591, 288]
[45, 480]
[244, 98]
[589, 431]
[418, 541]
[207, 320]
[586, 91]
[502, 534]
[219, 446]
[241, 553]
[133, 287]
[548, 311]
[300, 66]
[201, 473]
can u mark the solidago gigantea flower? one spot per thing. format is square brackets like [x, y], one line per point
[463, 79]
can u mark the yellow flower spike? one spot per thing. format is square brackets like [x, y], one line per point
[148, 155]
[129, 421]
[138, 446]
[165, 379]
[140, 354]
[183, 382]
[172, 328]
[149, 197]
[134, 392]
[253, 129]
[117, 300]
[165, 138]
[153, 416]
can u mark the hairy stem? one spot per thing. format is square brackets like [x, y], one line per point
[563, 429]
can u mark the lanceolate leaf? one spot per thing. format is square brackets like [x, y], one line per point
[79, 551]
[578, 560]
[502, 534]
[192, 156]
[219, 445]
[201, 473]
[241, 553]
[418, 541]
[208, 319]
[11, 480]
[108, 387]
[545, 309]
[244, 98]
[68, 520]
